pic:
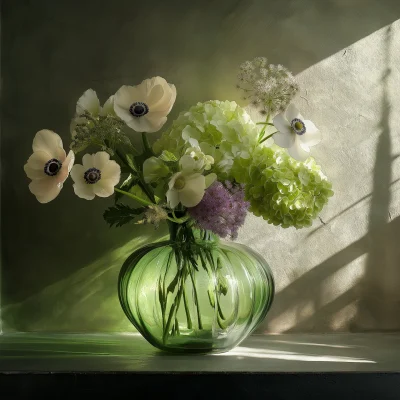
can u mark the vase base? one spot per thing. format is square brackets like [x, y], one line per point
[199, 344]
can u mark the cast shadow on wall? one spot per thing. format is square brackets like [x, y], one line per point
[373, 300]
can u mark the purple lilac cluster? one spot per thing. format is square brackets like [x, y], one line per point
[222, 210]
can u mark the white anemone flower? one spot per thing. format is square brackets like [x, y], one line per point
[96, 177]
[48, 166]
[295, 133]
[187, 186]
[145, 107]
[90, 103]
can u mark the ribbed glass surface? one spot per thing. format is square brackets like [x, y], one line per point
[197, 295]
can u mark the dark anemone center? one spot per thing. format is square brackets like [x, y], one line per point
[92, 175]
[138, 109]
[52, 167]
[298, 126]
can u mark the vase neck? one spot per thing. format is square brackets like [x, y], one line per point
[187, 232]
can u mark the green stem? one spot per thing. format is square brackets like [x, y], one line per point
[265, 123]
[146, 144]
[266, 138]
[119, 154]
[132, 196]
[177, 326]
[164, 302]
[265, 126]
[187, 311]
[177, 220]
[141, 182]
[166, 330]
[196, 298]
[174, 309]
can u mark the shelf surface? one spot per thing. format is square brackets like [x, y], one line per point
[27, 352]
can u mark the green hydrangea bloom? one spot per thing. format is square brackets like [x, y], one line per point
[222, 129]
[282, 190]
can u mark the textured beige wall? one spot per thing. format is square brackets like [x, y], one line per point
[60, 262]
[344, 272]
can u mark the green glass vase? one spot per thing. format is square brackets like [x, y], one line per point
[195, 293]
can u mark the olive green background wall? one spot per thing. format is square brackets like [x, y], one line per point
[60, 261]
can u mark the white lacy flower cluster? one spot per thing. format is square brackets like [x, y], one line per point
[220, 129]
[268, 87]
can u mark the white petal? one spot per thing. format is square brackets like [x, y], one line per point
[310, 126]
[162, 97]
[48, 141]
[38, 160]
[69, 161]
[155, 122]
[173, 179]
[312, 136]
[88, 102]
[298, 152]
[168, 100]
[292, 112]
[45, 189]
[111, 172]
[210, 179]
[84, 191]
[32, 173]
[187, 163]
[143, 124]
[77, 174]
[284, 140]
[100, 160]
[125, 97]
[193, 192]
[62, 174]
[103, 188]
[108, 108]
[173, 96]
[60, 154]
[282, 124]
[155, 97]
[172, 198]
[88, 161]
[147, 85]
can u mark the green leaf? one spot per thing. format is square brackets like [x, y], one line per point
[130, 160]
[121, 214]
[138, 192]
[130, 181]
[161, 189]
[167, 156]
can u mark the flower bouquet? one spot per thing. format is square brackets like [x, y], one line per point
[192, 292]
